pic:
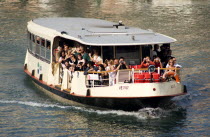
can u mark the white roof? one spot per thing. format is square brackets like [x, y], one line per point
[100, 32]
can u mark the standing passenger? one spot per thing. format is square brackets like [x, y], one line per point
[96, 58]
[80, 49]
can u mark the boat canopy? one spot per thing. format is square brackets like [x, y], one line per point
[97, 32]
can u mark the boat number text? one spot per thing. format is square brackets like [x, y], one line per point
[123, 87]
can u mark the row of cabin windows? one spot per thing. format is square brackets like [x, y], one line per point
[39, 46]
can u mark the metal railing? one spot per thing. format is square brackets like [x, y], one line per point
[110, 78]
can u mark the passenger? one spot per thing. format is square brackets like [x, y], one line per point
[62, 58]
[73, 60]
[110, 66]
[102, 76]
[171, 71]
[66, 48]
[146, 62]
[169, 53]
[71, 71]
[163, 57]
[162, 49]
[123, 63]
[119, 65]
[67, 65]
[95, 57]
[80, 59]
[68, 54]
[73, 50]
[158, 63]
[167, 46]
[80, 49]
[91, 67]
[100, 69]
[175, 64]
[156, 52]
[79, 67]
[116, 63]
[114, 67]
[105, 66]
[58, 53]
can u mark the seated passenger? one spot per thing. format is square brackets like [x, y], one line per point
[171, 71]
[146, 62]
[175, 64]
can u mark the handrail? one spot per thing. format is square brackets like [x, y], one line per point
[144, 69]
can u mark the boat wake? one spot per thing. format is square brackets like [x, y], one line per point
[33, 104]
[144, 113]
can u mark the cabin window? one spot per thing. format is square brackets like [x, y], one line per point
[42, 48]
[37, 45]
[48, 50]
[33, 44]
[146, 50]
[130, 53]
[107, 52]
[30, 41]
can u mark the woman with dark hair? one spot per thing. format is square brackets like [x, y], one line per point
[103, 75]
[79, 67]
[80, 59]
[73, 60]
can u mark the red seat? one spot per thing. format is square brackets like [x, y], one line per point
[131, 66]
[138, 66]
[147, 77]
[138, 78]
[156, 77]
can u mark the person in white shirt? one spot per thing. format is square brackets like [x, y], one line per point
[96, 58]
[175, 64]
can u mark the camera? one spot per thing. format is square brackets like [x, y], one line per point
[121, 62]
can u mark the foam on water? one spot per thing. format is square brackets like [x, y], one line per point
[144, 113]
[33, 104]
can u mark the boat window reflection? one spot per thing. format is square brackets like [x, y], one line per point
[39, 47]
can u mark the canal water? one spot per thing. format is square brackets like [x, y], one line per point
[26, 111]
